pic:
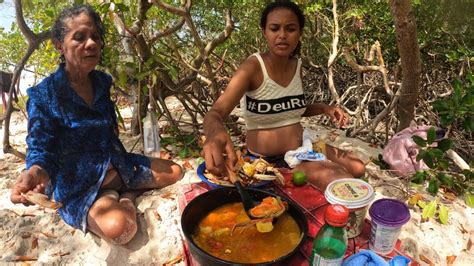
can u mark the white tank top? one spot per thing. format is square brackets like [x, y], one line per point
[272, 105]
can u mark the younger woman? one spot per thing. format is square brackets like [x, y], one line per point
[273, 103]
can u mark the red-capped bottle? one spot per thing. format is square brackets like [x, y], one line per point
[330, 243]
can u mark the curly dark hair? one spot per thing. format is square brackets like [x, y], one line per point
[60, 29]
[290, 6]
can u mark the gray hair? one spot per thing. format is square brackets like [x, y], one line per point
[60, 29]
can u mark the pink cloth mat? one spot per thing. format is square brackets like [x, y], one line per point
[313, 203]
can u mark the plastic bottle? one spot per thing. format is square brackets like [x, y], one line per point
[330, 243]
[151, 134]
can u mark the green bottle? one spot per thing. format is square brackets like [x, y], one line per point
[330, 243]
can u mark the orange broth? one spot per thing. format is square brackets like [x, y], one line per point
[245, 245]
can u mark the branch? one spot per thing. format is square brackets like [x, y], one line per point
[168, 31]
[34, 40]
[458, 160]
[333, 55]
[20, 20]
[223, 36]
[380, 68]
[373, 124]
[172, 9]
[143, 7]
[7, 148]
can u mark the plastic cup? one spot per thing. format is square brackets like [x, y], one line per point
[356, 195]
[388, 217]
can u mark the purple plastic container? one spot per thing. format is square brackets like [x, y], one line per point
[388, 217]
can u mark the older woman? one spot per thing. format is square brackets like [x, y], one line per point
[74, 151]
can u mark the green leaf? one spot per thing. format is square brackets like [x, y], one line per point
[467, 100]
[445, 144]
[431, 135]
[419, 141]
[167, 140]
[443, 214]
[421, 154]
[188, 139]
[122, 7]
[468, 124]
[459, 188]
[103, 8]
[468, 174]
[421, 203]
[428, 159]
[443, 164]
[131, 65]
[145, 89]
[470, 200]
[440, 105]
[419, 177]
[470, 77]
[445, 179]
[123, 78]
[457, 91]
[447, 120]
[184, 153]
[143, 75]
[436, 153]
[429, 210]
[433, 186]
[49, 13]
[380, 162]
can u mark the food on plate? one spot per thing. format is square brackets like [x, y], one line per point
[249, 172]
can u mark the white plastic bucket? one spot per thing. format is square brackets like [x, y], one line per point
[356, 195]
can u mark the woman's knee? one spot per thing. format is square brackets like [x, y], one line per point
[119, 226]
[166, 172]
[177, 172]
[357, 169]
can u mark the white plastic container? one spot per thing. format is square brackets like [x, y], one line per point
[356, 195]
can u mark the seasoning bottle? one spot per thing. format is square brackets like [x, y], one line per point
[330, 243]
[151, 134]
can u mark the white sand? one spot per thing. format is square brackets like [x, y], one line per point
[39, 236]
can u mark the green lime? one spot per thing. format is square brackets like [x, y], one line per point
[299, 178]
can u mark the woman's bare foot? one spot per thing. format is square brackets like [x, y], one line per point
[130, 196]
[108, 193]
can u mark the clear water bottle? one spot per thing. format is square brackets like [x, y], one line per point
[151, 134]
[330, 243]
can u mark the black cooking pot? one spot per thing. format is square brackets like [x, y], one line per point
[200, 206]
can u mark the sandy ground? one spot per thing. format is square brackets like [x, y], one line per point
[38, 236]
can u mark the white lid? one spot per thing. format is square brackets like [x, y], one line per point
[350, 192]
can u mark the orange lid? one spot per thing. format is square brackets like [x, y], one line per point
[337, 215]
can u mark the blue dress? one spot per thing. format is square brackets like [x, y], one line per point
[75, 143]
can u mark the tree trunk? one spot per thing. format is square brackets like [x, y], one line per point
[407, 43]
